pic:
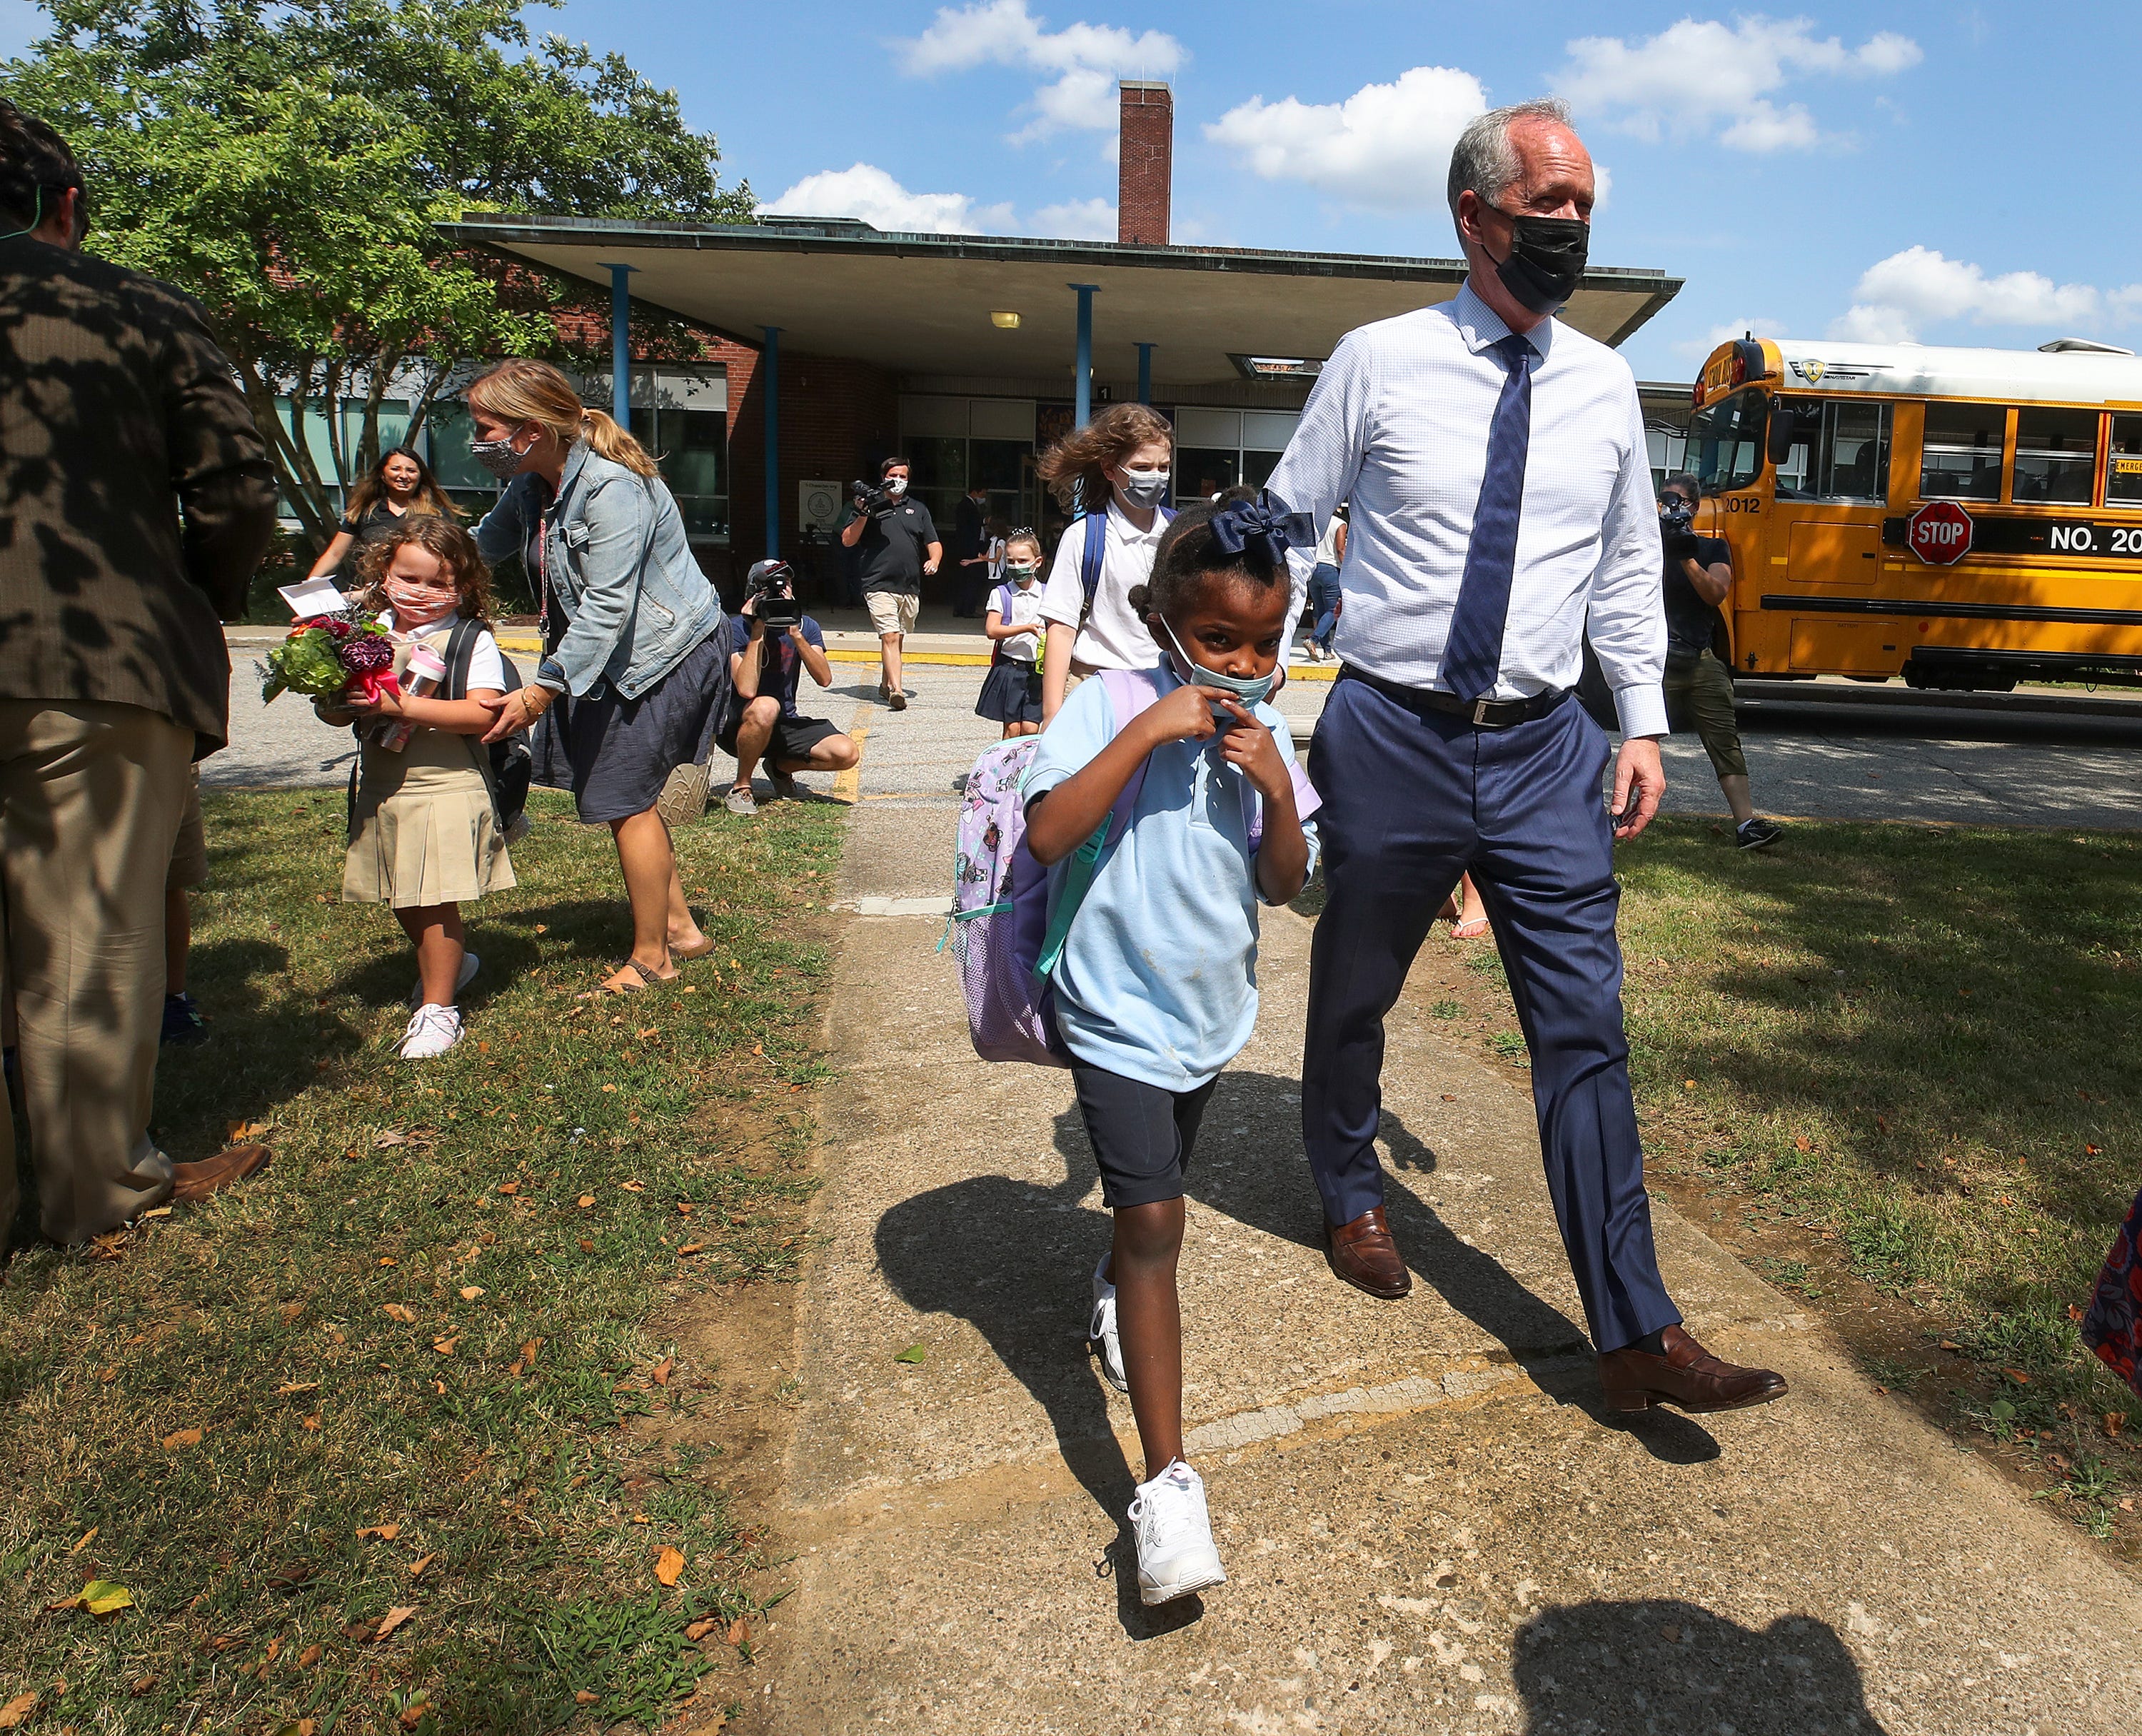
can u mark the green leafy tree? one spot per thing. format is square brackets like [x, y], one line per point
[287, 161]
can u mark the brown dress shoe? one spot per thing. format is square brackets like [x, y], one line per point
[1687, 1375]
[1364, 1255]
[193, 1182]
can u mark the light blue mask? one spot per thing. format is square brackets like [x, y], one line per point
[1250, 690]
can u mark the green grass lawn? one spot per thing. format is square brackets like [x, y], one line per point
[354, 1436]
[1921, 1043]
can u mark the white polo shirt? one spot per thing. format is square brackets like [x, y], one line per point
[1113, 637]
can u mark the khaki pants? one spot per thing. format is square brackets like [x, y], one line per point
[91, 794]
[1699, 691]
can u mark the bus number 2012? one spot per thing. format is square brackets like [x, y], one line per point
[2081, 539]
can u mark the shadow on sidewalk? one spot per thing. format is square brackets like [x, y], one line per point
[1630, 1668]
[1014, 1259]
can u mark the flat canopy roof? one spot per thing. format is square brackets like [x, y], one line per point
[917, 304]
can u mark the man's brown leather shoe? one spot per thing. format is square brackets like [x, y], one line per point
[193, 1182]
[1364, 1255]
[1687, 1376]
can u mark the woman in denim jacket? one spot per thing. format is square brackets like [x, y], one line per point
[633, 635]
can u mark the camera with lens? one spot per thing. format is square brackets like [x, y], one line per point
[1677, 532]
[872, 500]
[770, 589]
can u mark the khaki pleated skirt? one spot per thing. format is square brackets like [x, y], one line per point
[424, 831]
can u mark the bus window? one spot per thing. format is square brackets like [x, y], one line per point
[1725, 442]
[1963, 459]
[1839, 450]
[2056, 452]
[2123, 464]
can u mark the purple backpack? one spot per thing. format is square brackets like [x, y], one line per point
[999, 930]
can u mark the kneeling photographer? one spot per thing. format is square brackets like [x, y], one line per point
[777, 641]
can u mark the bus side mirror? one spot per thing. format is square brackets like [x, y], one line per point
[1782, 423]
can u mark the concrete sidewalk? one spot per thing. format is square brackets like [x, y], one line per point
[1427, 1523]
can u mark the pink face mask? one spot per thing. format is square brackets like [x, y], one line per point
[415, 606]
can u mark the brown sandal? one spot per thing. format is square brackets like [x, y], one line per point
[619, 983]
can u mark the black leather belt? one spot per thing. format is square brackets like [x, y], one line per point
[1481, 713]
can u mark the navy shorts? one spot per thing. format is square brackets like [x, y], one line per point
[1142, 1133]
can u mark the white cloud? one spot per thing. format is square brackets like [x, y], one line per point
[1700, 74]
[1387, 146]
[1899, 296]
[1081, 63]
[1076, 219]
[868, 192]
[1697, 348]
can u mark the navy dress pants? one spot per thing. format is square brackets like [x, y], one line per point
[1413, 798]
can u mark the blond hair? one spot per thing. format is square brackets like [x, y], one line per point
[1076, 468]
[521, 390]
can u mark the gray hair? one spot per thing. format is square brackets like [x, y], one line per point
[1484, 161]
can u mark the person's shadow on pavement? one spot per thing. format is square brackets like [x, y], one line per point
[1016, 1258]
[1631, 1668]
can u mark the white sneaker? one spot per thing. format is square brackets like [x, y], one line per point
[1101, 1329]
[432, 1030]
[471, 964]
[1176, 1555]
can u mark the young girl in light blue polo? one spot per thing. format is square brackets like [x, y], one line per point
[1156, 991]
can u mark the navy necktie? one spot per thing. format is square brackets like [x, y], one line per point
[1473, 655]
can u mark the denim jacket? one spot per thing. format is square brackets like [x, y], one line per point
[634, 600]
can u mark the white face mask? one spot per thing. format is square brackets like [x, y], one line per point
[896, 486]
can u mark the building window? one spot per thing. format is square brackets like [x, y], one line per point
[1216, 449]
[2056, 455]
[1962, 454]
[1839, 451]
[2123, 463]
[393, 430]
[682, 417]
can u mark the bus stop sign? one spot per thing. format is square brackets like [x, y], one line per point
[1939, 532]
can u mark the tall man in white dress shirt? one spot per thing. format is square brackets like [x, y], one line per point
[1495, 462]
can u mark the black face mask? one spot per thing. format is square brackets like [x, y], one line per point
[1546, 260]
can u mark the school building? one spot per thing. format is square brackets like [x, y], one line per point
[830, 344]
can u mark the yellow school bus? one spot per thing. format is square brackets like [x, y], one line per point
[1965, 518]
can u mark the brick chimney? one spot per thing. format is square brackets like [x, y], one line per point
[1146, 172]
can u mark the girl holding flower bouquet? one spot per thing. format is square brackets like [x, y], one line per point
[424, 836]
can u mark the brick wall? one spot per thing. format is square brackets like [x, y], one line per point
[1146, 174]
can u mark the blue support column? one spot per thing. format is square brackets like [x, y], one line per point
[770, 396]
[1145, 373]
[621, 344]
[1082, 389]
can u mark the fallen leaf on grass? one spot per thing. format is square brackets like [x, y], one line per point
[392, 1620]
[156, 1211]
[586, 1246]
[2074, 1314]
[15, 1710]
[418, 1567]
[141, 1686]
[2017, 1376]
[1802, 1144]
[298, 1726]
[659, 1373]
[82, 1542]
[391, 1136]
[397, 1310]
[471, 1292]
[509, 1187]
[913, 1353]
[691, 1248]
[581, 1697]
[739, 1632]
[445, 1347]
[609, 1087]
[297, 1385]
[312, 1422]
[2115, 1421]
[388, 1260]
[528, 1351]
[685, 1207]
[99, 1597]
[586, 1200]
[414, 1715]
[309, 1656]
[290, 1310]
[1951, 1344]
[633, 1187]
[242, 1132]
[699, 1629]
[385, 1533]
[669, 1566]
[182, 1437]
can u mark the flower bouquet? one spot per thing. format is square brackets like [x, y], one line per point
[332, 654]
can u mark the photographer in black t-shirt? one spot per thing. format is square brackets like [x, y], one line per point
[1699, 689]
[900, 548]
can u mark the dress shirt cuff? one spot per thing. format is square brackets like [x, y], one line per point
[1641, 708]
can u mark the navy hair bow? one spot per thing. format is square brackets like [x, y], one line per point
[1265, 523]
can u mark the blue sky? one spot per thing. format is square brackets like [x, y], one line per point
[1957, 173]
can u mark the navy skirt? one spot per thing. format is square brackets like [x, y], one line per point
[1011, 693]
[616, 755]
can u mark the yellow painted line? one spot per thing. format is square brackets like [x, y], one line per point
[969, 659]
[848, 786]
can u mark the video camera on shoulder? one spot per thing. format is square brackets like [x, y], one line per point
[872, 499]
[770, 589]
